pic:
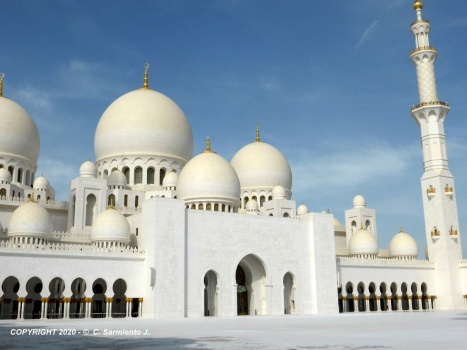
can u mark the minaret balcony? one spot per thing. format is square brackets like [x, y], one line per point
[435, 234]
[448, 191]
[431, 191]
[423, 48]
[420, 21]
[431, 103]
[453, 233]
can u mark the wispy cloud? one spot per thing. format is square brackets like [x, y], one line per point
[395, 3]
[366, 35]
[350, 166]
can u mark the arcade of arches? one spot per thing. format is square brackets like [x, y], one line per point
[384, 298]
[55, 301]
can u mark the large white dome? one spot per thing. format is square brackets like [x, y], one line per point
[143, 122]
[403, 245]
[111, 226]
[260, 165]
[208, 176]
[31, 220]
[363, 243]
[18, 132]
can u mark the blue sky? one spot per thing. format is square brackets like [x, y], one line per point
[329, 82]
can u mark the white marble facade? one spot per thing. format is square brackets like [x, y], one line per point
[151, 231]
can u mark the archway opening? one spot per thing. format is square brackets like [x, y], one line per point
[372, 301]
[78, 301]
[251, 280]
[119, 299]
[425, 302]
[361, 297]
[405, 297]
[9, 304]
[350, 300]
[413, 288]
[289, 293]
[393, 297]
[98, 306]
[383, 302]
[33, 302]
[55, 305]
[210, 294]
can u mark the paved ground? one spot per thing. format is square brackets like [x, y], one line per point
[401, 330]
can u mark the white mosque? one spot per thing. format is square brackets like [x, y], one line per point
[151, 231]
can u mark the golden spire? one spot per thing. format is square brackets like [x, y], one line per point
[1, 84]
[257, 134]
[417, 5]
[401, 229]
[361, 225]
[146, 78]
[208, 146]
[112, 204]
[31, 200]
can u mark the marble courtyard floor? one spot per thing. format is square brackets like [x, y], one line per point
[445, 330]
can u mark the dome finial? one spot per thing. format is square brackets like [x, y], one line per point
[112, 204]
[146, 76]
[2, 75]
[208, 146]
[32, 198]
[418, 5]
[257, 133]
[401, 229]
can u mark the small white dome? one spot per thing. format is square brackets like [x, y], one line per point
[88, 169]
[143, 122]
[5, 176]
[208, 176]
[252, 205]
[117, 178]
[402, 244]
[359, 201]
[302, 209]
[363, 243]
[260, 165]
[111, 226]
[41, 183]
[18, 134]
[30, 220]
[278, 192]
[170, 180]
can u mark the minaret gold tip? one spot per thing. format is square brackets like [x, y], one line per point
[146, 76]
[1, 84]
[418, 5]
[258, 139]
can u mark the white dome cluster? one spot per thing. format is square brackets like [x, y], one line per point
[88, 169]
[363, 243]
[111, 226]
[117, 179]
[403, 245]
[359, 201]
[41, 184]
[210, 180]
[18, 135]
[30, 220]
[302, 209]
[5, 176]
[261, 166]
[143, 122]
[170, 181]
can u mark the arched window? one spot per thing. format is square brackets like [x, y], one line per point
[262, 199]
[20, 175]
[106, 174]
[10, 169]
[73, 209]
[136, 201]
[138, 175]
[3, 192]
[208, 206]
[216, 207]
[90, 209]
[161, 176]
[125, 200]
[111, 200]
[28, 178]
[150, 176]
[286, 215]
[245, 201]
[126, 172]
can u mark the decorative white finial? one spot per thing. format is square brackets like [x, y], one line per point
[2, 75]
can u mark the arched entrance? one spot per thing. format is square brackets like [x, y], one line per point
[9, 304]
[33, 303]
[119, 299]
[289, 293]
[55, 305]
[350, 297]
[77, 302]
[210, 294]
[99, 307]
[250, 278]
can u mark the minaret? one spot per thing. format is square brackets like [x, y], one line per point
[439, 198]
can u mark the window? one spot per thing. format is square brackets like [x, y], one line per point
[150, 176]
[161, 176]
[138, 175]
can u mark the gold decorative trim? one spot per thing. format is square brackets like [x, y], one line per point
[140, 300]
[431, 103]
[2, 75]
[423, 48]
